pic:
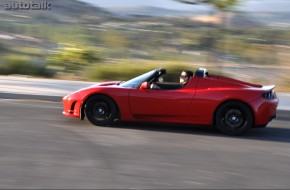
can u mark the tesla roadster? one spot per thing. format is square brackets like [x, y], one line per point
[232, 106]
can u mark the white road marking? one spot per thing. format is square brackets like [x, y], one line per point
[144, 169]
[66, 142]
[281, 154]
[210, 178]
[232, 173]
[162, 183]
[203, 171]
[194, 182]
[168, 164]
[146, 179]
[106, 144]
[44, 164]
[153, 181]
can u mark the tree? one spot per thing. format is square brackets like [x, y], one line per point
[222, 6]
[73, 57]
[218, 4]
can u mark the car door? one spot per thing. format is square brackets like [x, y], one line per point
[160, 102]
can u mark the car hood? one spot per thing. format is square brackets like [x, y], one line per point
[109, 83]
[101, 85]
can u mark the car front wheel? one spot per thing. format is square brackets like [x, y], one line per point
[100, 110]
[233, 118]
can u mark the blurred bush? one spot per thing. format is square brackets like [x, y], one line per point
[73, 57]
[29, 51]
[23, 65]
[125, 71]
[115, 71]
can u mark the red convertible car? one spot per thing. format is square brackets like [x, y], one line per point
[232, 106]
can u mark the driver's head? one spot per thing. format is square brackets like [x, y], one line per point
[185, 75]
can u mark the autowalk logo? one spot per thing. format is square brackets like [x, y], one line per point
[42, 5]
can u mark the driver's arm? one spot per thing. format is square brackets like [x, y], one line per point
[154, 86]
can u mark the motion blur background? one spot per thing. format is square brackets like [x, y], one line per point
[98, 40]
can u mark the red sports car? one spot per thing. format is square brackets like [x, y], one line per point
[230, 105]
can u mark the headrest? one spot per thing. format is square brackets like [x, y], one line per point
[201, 72]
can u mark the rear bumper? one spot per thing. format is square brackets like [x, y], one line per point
[265, 111]
[263, 126]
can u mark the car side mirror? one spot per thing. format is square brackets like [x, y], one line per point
[144, 85]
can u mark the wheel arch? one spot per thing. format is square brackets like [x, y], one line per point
[231, 100]
[82, 111]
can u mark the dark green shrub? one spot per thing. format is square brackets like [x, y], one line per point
[23, 65]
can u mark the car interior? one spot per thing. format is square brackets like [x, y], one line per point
[158, 80]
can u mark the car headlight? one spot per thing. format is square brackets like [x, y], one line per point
[269, 94]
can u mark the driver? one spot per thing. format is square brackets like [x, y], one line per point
[184, 77]
[154, 85]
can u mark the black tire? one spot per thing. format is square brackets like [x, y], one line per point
[101, 110]
[233, 118]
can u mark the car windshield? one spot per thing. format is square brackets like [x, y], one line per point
[136, 82]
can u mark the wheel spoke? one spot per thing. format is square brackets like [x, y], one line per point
[234, 118]
[101, 111]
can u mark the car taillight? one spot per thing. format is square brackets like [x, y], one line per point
[269, 94]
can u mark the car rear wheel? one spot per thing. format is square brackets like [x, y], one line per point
[100, 110]
[233, 118]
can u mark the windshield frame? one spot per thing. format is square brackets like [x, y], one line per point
[137, 81]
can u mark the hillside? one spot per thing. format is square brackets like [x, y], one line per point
[61, 11]
[260, 18]
[154, 11]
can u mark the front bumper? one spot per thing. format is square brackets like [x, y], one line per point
[71, 106]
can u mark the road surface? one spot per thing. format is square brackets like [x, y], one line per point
[42, 149]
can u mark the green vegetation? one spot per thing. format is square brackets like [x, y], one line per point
[91, 44]
[29, 51]
[223, 4]
[24, 65]
[125, 71]
[73, 57]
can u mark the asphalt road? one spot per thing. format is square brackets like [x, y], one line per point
[40, 148]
